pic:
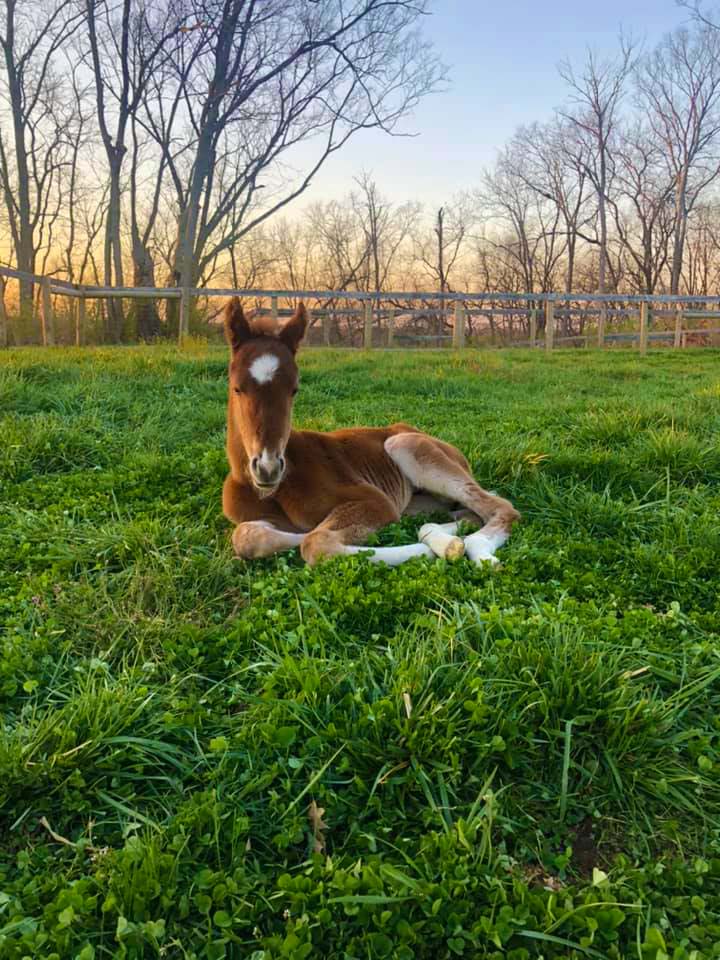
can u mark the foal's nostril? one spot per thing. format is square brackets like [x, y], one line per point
[254, 464]
[281, 462]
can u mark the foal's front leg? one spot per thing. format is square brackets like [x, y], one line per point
[351, 523]
[261, 528]
[259, 538]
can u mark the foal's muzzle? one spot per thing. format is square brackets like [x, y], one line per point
[267, 470]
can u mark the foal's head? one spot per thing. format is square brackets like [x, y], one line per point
[263, 382]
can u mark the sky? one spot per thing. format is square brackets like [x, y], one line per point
[503, 57]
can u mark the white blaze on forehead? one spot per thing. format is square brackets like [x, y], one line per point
[264, 368]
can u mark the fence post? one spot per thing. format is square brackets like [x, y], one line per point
[184, 325]
[459, 325]
[326, 329]
[274, 310]
[678, 329]
[3, 316]
[367, 336]
[533, 327]
[549, 324]
[643, 327]
[80, 318]
[391, 327]
[47, 319]
[602, 320]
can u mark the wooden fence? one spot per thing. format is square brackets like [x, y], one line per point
[538, 313]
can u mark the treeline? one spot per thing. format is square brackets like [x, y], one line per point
[157, 143]
[142, 140]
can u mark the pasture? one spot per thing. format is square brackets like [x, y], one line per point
[203, 758]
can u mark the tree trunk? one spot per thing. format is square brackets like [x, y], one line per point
[172, 306]
[441, 250]
[113, 256]
[570, 275]
[148, 320]
[679, 234]
[25, 253]
[602, 265]
[3, 316]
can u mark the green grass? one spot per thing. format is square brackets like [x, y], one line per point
[266, 760]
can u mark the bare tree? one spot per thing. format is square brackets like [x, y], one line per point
[679, 87]
[385, 228]
[32, 145]
[593, 115]
[440, 252]
[274, 74]
[701, 270]
[642, 208]
[540, 158]
[126, 43]
[342, 248]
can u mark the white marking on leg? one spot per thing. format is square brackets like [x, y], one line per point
[481, 546]
[264, 368]
[450, 528]
[392, 556]
[441, 539]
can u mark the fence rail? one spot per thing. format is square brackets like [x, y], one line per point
[545, 318]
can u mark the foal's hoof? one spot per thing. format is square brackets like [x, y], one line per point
[443, 544]
[455, 549]
[480, 549]
[320, 545]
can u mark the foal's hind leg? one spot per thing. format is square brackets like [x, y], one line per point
[426, 503]
[442, 470]
[439, 537]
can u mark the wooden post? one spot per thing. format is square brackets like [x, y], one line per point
[47, 318]
[602, 321]
[683, 339]
[274, 310]
[533, 327]
[549, 324]
[3, 316]
[326, 329]
[459, 325]
[391, 327]
[678, 329]
[80, 319]
[184, 325]
[714, 338]
[644, 306]
[367, 338]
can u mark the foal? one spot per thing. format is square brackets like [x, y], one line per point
[327, 492]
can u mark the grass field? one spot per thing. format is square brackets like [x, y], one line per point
[203, 758]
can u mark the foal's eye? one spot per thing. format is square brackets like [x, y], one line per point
[237, 389]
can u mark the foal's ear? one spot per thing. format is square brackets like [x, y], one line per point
[237, 329]
[294, 330]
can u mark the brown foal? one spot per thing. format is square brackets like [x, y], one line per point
[327, 492]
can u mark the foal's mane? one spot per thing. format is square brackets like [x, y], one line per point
[262, 324]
